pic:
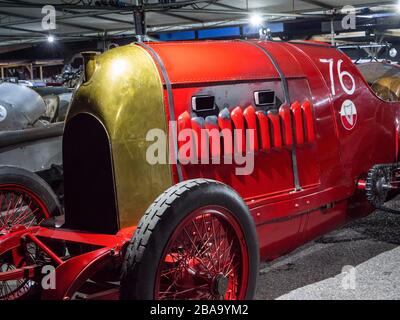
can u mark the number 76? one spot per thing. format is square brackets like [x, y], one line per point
[341, 75]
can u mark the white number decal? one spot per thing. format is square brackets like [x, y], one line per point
[341, 75]
[330, 61]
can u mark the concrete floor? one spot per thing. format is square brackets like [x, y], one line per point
[359, 261]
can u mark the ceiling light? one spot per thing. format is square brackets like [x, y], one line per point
[50, 39]
[256, 20]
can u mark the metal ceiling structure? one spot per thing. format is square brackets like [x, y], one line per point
[21, 20]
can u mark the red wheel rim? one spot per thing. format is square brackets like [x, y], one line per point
[206, 258]
[19, 206]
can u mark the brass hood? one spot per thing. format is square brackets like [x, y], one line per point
[125, 93]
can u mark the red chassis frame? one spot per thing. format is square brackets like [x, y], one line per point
[70, 274]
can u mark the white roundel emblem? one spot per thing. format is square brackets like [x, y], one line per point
[348, 115]
[3, 113]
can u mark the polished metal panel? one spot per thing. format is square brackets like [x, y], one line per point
[125, 93]
[387, 88]
[35, 155]
[20, 106]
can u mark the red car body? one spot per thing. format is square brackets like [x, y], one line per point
[314, 144]
[329, 167]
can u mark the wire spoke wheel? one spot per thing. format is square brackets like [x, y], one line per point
[13, 289]
[19, 206]
[196, 241]
[205, 259]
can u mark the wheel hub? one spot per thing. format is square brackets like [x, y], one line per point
[381, 185]
[221, 284]
[378, 185]
[212, 262]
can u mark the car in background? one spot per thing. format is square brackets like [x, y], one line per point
[31, 128]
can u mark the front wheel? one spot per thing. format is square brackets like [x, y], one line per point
[196, 241]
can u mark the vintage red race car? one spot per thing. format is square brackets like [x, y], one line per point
[304, 144]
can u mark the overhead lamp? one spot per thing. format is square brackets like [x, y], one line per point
[256, 20]
[393, 52]
[50, 38]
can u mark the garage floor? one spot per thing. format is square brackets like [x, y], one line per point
[359, 261]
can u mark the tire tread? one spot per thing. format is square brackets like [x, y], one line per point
[151, 218]
[139, 252]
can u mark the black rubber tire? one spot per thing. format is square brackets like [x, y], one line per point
[36, 185]
[27, 179]
[157, 225]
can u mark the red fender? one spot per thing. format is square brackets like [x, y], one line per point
[238, 121]
[298, 120]
[211, 125]
[309, 121]
[225, 125]
[276, 128]
[265, 136]
[198, 126]
[285, 114]
[251, 121]
[184, 123]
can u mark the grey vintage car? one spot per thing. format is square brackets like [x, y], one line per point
[31, 127]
